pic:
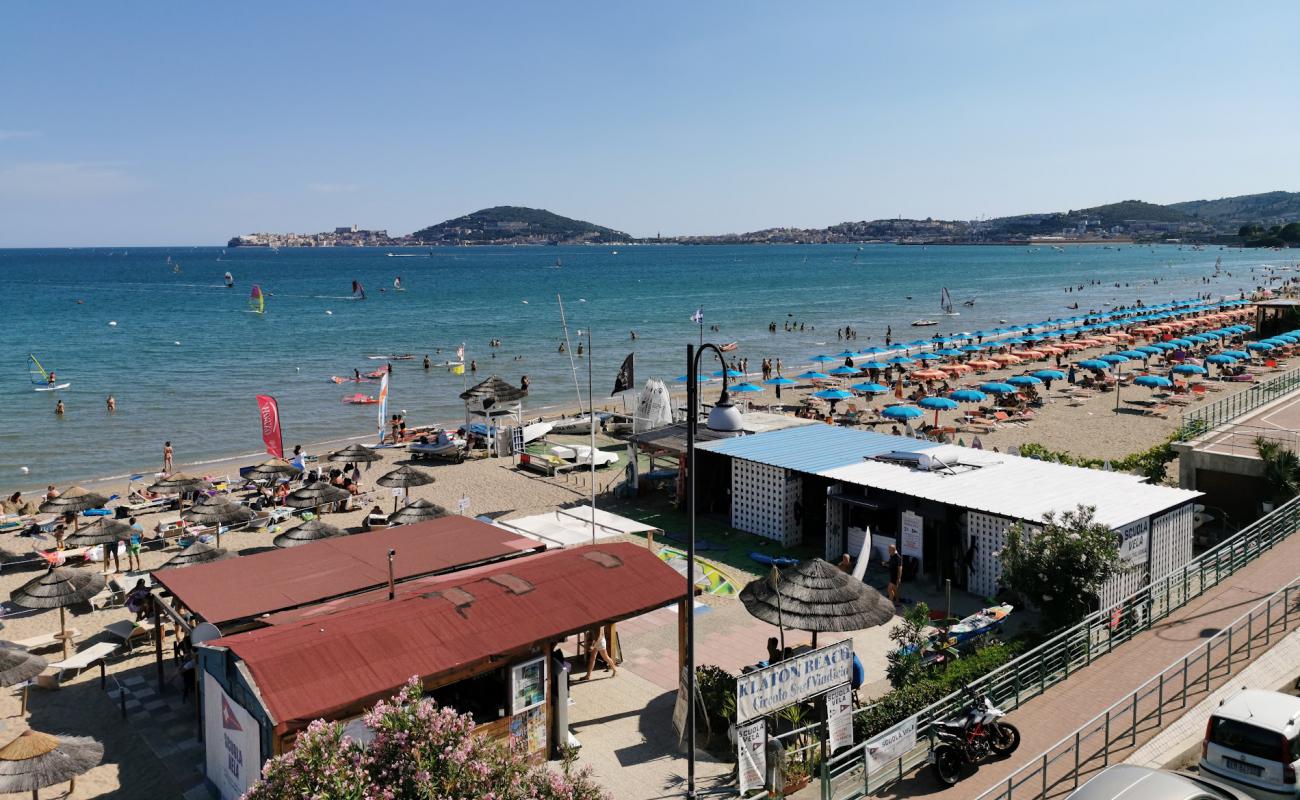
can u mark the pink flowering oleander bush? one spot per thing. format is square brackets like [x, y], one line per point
[419, 751]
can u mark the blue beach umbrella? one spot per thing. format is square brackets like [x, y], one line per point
[1114, 358]
[822, 359]
[1148, 349]
[996, 387]
[1221, 358]
[1153, 381]
[686, 378]
[947, 352]
[968, 396]
[731, 373]
[1235, 353]
[1050, 374]
[779, 382]
[745, 387]
[902, 360]
[833, 394]
[846, 354]
[1133, 354]
[813, 375]
[1093, 363]
[971, 348]
[1182, 342]
[870, 388]
[1286, 337]
[937, 404]
[1023, 380]
[1190, 369]
[873, 365]
[1162, 346]
[844, 371]
[1259, 346]
[901, 412]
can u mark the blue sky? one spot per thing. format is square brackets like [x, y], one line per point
[147, 123]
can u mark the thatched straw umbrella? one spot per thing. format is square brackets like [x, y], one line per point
[354, 454]
[59, 588]
[197, 553]
[75, 500]
[180, 484]
[271, 469]
[314, 495]
[218, 510]
[404, 478]
[816, 596]
[306, 533]
[416, 511]
[105, 531]
[18, 666]
[34, 760]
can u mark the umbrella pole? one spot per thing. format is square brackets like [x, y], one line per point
[63, 629]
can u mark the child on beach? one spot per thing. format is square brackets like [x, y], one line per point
[167, 458]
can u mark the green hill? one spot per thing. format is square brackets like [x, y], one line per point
[516, 225]
[1117, 213]
[1269, 208]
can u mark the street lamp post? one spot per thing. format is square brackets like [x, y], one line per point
[723, 418]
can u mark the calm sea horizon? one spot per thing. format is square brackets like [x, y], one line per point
[185, 359]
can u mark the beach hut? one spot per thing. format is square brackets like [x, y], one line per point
[488, 404]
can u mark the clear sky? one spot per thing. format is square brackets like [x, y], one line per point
[189, 122]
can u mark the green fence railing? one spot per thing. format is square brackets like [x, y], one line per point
[846, 775]
[1210, 416]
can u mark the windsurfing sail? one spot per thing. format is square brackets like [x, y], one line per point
[383, 406]
[358, 291]
[257, 300]
[945, 300]
[230, 281]
[397, 283]
[37, 373]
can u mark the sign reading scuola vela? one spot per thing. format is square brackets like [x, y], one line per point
[793, 680]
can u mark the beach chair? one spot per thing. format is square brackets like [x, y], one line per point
[44, 640]
[1161, 411]
[95, 654]
[128, 631]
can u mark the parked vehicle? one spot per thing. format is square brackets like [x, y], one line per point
[977, 735]
[1131, 782]
[1252, 741]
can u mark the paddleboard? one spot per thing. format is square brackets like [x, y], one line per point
[53, 388]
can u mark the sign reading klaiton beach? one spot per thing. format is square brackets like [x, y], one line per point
[793, 680]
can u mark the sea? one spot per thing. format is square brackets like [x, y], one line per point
[184, 358]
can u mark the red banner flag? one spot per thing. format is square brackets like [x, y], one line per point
[270, 413]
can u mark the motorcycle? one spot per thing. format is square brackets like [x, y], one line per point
[966, 741]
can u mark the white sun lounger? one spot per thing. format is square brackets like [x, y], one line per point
[95, 654]
[44, 640]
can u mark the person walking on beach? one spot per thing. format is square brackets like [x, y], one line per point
[895, 566]
[133, 546]
[597, 646]
[167, 458]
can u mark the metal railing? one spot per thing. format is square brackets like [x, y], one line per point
[847, 776]
[1212, 415]
[1240, 439]
[1114, 732]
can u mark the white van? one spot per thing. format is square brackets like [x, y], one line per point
[1252, 740]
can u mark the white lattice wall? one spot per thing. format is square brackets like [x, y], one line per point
[1171, 541]
[989, 533]
[763, 499]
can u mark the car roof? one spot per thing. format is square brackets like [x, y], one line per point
[1131, 782]
[1272, 710]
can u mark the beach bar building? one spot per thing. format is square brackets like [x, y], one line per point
[948, 508]
[479, 640]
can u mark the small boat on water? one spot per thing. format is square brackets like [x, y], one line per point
[340, 379]
[360, 400]
[923, 323]
[43, 381]
[377, 374]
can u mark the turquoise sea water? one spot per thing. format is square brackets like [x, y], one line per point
[185, 360]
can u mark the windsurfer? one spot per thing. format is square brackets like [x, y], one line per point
[356, 375]
[50, 380]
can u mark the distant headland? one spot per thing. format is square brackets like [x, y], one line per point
[1271, 219]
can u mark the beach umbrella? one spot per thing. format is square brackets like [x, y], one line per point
[972, 348]
[271, 469]
[687, 378]
[1190, 369]
[901, 360]
[929, 375]
[59, 588]
[1023, 380]
[416, 511]
[731, 373]
[308, 532]
[180, 483]
[1050, 374]
[1093, 363]
[1181, 342]
[846, 354]
[996, 387]
[984, 363]
[1133, 354]
[870, 388]
[779, 381]
[218, 511]
[947, 352]
[106, 531]
[955, 369]
[1005, 358]
[822, 358]
[1153, 381]
[1257, 346]
[937, 404]
[18, 665]
[1148, 349]
[901, 412]
[968, 396]
[818, 597]
[744, 387]
[75, 499]
[1221, 358]
[197, 553]
[833, 394]
[873, 365]
[404, 478]
[1114, 358]
[813, 375]
[844, 371]
[354, 454]
[1235, 353]
[1161, 346]
[315, 494]
[33, 761]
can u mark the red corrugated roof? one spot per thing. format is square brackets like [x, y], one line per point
[249, 586]
[324, 665]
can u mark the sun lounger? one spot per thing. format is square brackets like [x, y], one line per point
[87, 657]
[44, 640]
[128, 631]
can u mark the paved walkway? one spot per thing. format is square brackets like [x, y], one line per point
[1044, 720]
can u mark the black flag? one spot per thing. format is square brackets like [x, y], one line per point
[626, 376]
